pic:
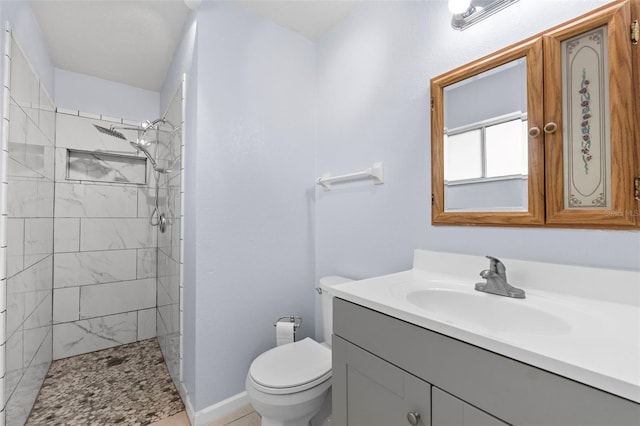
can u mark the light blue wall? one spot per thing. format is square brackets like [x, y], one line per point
[27, 33]
[250, 195]
[374, 72]
[98, 96]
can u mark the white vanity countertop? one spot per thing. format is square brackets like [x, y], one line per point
[578, 322]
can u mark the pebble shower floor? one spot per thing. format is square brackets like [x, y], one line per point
[125, 385]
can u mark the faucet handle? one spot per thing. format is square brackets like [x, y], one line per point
[496, 265]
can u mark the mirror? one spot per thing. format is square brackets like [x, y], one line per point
[486, 145]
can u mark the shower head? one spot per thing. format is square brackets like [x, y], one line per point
[110, 132]
[143, 146]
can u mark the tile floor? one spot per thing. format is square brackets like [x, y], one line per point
[179, 419]
[88, 390]
[245, 416]
[126, 385]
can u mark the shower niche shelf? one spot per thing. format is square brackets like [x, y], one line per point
[105, 167]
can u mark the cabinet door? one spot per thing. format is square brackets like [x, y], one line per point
[368, 391]
[589, 121]
[450, 411]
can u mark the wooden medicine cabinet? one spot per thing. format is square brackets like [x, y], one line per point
[544, 132]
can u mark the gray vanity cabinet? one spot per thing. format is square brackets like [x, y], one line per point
[448, 410]
[384, 368]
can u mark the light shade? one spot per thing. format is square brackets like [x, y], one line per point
[464, 18]
[459, 6]
[193, 4]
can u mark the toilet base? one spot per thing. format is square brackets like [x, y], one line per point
[328, 421]
[298, 422]
[288, 410]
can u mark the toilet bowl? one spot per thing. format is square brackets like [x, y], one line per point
[287, 385]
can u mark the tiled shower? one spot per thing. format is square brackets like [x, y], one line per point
[85, 270]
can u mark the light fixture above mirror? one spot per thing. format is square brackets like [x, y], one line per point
[469, 12]
[458, 7]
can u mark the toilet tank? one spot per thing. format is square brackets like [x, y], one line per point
[327, 303]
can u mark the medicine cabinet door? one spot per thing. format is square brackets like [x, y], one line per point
[487, 154]
[589, 121]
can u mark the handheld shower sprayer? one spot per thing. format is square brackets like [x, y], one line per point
[143, 146]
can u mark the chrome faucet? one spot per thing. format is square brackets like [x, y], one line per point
[496, 277]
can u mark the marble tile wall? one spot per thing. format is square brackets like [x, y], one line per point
[27, 208]
[169, 242]
[104, 269]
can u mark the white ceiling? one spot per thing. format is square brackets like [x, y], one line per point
[133, 41]
[311, 18]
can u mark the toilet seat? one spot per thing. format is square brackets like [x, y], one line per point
[291, 368]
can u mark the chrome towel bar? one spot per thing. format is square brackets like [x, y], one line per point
[376, 172]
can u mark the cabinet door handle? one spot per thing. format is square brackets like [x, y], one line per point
[413, 417]
[550, 127]
[534, 131]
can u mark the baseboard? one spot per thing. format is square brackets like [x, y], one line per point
[217, 411]
[184, 393]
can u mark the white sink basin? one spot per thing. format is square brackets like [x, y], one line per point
[494, 313]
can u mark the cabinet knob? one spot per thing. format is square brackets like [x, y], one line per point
[534, 131]
[550, 127]
[413, 418]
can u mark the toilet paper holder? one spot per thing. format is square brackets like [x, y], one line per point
[297, 321]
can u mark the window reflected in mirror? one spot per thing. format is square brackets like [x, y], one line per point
[486, 141]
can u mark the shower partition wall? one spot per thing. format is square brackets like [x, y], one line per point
[170, 150]
[27, 234]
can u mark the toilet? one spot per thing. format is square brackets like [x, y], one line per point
[288, 384]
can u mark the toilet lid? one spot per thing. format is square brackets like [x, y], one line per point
[292, 365]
